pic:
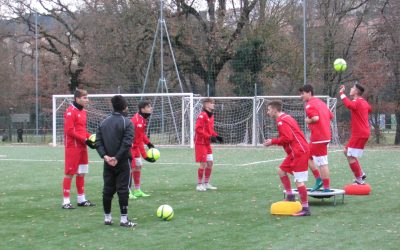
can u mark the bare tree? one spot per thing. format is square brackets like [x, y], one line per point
[207, 39]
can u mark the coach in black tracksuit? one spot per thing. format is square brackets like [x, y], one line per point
[113, 142]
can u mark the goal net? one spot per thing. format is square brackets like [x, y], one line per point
[243, 120]
[165, 126]
[240, 120]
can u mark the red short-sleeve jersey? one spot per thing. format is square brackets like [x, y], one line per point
[320, 130]
[359, 109]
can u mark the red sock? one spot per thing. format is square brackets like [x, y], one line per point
[303, 195]
[207, 175]
[355, 167]
[316, 173]
[361, 171]
[136, 178]
[66, 187]
[80, 184]
[200, 173]
[325, 183]
[286, 184]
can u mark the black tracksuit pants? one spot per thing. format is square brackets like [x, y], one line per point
[116, 180]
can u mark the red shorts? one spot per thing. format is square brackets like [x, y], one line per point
[74, 157]
[318, 149]
[202, 151]
[138, 152]
[298, 163]
[357, 142]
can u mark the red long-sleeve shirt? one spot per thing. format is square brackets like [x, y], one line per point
[140, 138]
[75, 133]
[359, 109]
[204, 129]
[320, 130]
[291, 138]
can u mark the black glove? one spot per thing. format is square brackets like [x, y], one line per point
[150, 159]
[90, 144]
[220, 139]
[150, 145]
[213, 139]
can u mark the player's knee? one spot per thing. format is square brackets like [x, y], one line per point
[108, 192]
[281, 173]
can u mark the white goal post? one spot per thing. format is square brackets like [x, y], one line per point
[166, 124]
[239, 120]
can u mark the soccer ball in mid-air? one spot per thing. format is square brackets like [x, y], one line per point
[165, 212]
[153, 153]
[340, 65]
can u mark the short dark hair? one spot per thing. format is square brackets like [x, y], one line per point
[276, 105]
[208, 100]
[307, 88]
[359, 88]
[79, 93]
[119, 103]
[143, 104]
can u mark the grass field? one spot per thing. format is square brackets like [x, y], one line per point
[236, 216]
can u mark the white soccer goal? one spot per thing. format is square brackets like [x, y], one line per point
[240, 120]
[243, 120]
[165, 125]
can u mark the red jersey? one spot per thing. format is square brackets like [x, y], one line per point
[290, 136]
[204, 129]
[359, 109]
[75, 133]
[140, 138]
[320, 130]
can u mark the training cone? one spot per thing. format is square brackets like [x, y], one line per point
[285, 207]
[355, 189]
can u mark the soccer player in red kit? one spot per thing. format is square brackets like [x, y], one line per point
[318, 120]
[360, 130]
[139, 121]
[204, 135]
[76, 154]
[293, 141]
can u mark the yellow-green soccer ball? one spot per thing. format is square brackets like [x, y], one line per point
[92, 138]
[153, 153]
[165, 212]
[340, 65]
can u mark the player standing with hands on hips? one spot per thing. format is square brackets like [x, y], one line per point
[360, 130]
[76, 154]
[113, 142]
[318, 120]
[204, 135]
[293, 141]
[139, 121]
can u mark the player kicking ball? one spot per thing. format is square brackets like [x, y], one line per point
[360, 131]
[139, 121]
[204, 135]
[293, 141]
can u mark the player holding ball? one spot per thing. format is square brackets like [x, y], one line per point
[139, 121]
[204, 135]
